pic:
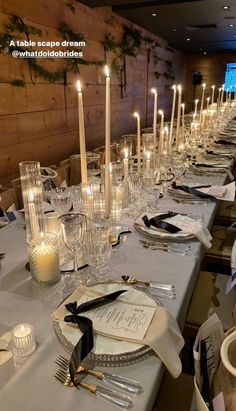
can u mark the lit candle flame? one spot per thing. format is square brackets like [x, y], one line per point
[136, 114]
[212, 86]
[107, 72]
[126, 153]
[204, 85]
[179, 88]
[174, 87]
[196, 101]
[148, 155]
[31, 197]
[161, 112]
[154, 91]
[78, 86]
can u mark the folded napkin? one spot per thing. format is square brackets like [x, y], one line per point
[4, 341]
[163, 334]
[226, 193]
[187, 225]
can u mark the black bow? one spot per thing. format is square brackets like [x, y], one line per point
[156, 222]
[86, 342]
[192, 190]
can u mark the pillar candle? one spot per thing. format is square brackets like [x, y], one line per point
[107, 144]
[83, 161]
[154, 91]
[213, 94]
[178, 114]
[138, 141]
[172, 114]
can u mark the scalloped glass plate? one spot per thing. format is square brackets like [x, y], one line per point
[107, 351]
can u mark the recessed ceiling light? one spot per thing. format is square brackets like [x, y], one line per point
[188, 39]
[154, 14]
[231, 25]
[205, 52]
[226, 7]
[174, 29]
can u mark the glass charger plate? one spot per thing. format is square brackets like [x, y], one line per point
[107, 351]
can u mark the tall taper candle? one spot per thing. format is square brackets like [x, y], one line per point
[160, 145]
[154, 91]
[183, 109]
[172, 115]
[202, 101]
[107, 144]
[222, 94]
[178, 115]
[196, 103]
[213, 94]
[138, 141]
[82, 145]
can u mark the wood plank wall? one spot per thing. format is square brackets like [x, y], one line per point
[34, 124]
[212, 68]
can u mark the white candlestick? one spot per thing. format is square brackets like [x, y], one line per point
[226, 95]
[160, 146]
[138, 141]
[154, 91]
[148, 159]
[82, 145]
[126, 163]
[34, 225]
[172, 115]
[165, 149]
[213, 94]
[202, 100]
[222, 94]
[107, 145]
[196, 103]
[230, 94]
[178, 115]
[183, 109]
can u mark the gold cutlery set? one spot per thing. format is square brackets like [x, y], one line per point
[114, 397]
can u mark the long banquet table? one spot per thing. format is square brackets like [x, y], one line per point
[33, 386]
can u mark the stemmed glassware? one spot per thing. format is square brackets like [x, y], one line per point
[73, 230]
[61, 200]
[152, 190]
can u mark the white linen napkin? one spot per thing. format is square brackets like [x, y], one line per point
[4, 341]
[188, 225]
[163, 334]
[226, 193]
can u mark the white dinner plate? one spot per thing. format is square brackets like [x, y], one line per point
[108, 351]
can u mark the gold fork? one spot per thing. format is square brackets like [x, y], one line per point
[126, 384]
[114, 397]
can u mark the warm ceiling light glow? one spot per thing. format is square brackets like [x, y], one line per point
[188, 39]
[154, 14]
[174, 29]
[231, 25]
[205, 52]
[226, 7]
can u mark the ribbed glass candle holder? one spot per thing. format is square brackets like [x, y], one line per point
[32, 192]
[23, 340]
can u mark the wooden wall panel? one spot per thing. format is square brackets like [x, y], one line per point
[34, 122]
[213, 69]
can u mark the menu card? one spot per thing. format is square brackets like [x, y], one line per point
[118, 319]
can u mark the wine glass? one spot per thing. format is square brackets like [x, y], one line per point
[73, 230]
[178, 166]
[151, 190]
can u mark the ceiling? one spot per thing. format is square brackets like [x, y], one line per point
[204, 22]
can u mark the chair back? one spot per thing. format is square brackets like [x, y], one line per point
[16, 185]
[8, 199]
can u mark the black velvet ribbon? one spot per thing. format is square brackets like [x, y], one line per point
[225, 142]
[159, 223]
[86, 342]
[192, 190]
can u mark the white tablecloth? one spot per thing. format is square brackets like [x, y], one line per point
[33, 386]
